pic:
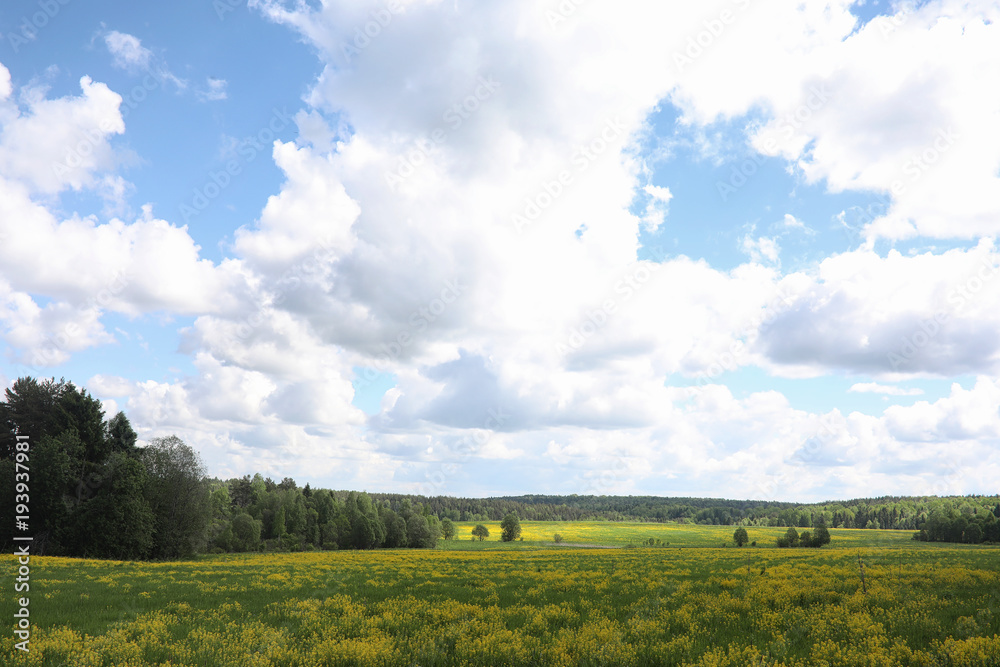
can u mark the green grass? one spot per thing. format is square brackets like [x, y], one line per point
[669, 605]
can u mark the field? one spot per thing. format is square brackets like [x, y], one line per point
[619, 534]
[530, 603]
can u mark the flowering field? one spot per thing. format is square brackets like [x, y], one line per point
[621, 533]
[543, 606]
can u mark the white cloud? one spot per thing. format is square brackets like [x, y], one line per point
[761, 248]
[875, 388]
[215, 90]
[905, 115]
[5, 85]
[110, 385]
[387, 247]
[965, 415]
[47, 336]
[894, 316]
[128, 52]
[791, 222]
[61, 143]
[656, 207]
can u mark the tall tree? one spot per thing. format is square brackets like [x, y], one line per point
[117, 522]
[178, 495]
[119, 434]
[30, 408]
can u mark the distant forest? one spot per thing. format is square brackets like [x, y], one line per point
[87, 489]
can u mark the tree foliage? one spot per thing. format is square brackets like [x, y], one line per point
[510, 528]
[179, 497]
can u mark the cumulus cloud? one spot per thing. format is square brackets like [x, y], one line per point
[138, 265]
[54, 144]
[926, 314]
[466, 224]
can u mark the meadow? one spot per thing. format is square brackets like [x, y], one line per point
[531, 603]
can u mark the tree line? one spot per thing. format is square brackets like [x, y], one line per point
[93, 492]
[96, 493]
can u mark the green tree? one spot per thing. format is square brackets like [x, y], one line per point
[510, 528]
[481, 531]
[119, 434]
[179, 497]
[278, 529]
[118, 522]
[246, 532]
[806, 539]
[418, 532]
[821, 536]
[58, 486]
[81, 411]
[789, 539]
[740, 536]
[395, 531]
[447, 528]
[973, 534]
[31, 408]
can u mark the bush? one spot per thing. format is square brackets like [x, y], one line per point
[558, 538]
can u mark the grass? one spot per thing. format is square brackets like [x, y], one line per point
[530, 603]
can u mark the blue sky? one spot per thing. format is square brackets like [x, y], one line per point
[483, 249]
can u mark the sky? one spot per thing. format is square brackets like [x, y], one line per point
[725, 249]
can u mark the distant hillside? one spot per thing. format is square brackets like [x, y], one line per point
[892, 512]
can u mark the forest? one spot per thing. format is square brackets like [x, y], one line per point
[95, 492]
